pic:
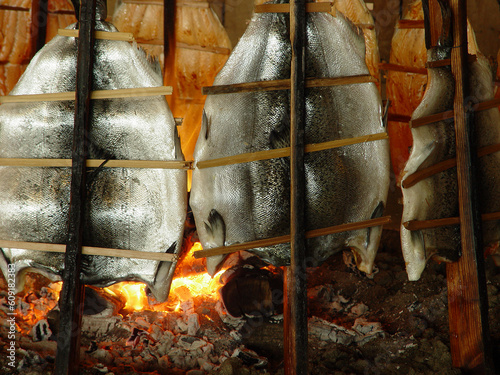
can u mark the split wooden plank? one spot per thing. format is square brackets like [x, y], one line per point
[286, 238]
[467, 298]
[95, 163]
[107, 35]
[72, 293]
[95, 95]
[284, 84]
[284, 152]
[90, 250]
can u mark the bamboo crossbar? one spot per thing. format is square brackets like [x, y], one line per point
[95, 163]
[285, 152]
[89, 250]
[286, 238]
[436, 223]
[285, 8]
[97, 94]
[442, 166]
[127, 37]
[411, 24]
[284, 84]
[426, 120]
[402, 68]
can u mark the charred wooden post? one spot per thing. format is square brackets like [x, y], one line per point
[39, 10]
[71, 298]
[169, 9]
[467, 298]
[295, 302]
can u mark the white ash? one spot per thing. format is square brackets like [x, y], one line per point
[41, 331]
[362, 331]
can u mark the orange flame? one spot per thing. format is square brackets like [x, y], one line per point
[183, 287]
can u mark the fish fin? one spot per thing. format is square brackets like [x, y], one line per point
[205, 124]
[364, 247]
[377, 212]
[385, 114]
[415, 163]
[414, 252]
[216, 236]
[280, 138]
[179, 155]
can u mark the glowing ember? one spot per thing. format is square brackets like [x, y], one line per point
[182, 288]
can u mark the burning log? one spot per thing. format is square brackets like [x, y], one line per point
[252, 292]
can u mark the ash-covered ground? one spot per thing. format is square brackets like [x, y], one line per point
[357, 325]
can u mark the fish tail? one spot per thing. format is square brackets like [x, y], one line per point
[412, 243]
[216, 236]
[364, 246]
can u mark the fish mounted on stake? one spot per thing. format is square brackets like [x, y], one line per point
[127, 208]
[249, 201]
[436, 197]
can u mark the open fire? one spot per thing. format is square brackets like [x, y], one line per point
[189, 282]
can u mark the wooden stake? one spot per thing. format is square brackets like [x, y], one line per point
[71, 297]
[467, 298]
[295, 298]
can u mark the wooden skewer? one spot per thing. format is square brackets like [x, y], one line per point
[95, 163]
[398, 118]
[426, 120]
[220, 50]
[284, 239]
[285, 8]
[285, 152]
[402, 68]
[411, 24]
[442, 166]
[90, 250]
[193, 4]
[435, 223]
[98, 94]
[127, 37]
[446, 62]
[284, 84]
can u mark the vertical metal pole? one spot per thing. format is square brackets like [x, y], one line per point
[467, 298]
[71, 298]
[295, 311]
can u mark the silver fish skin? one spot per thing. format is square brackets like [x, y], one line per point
[436, 197]
[245, 202]
[136, 209]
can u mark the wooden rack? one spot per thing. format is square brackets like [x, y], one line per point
[466, 280]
